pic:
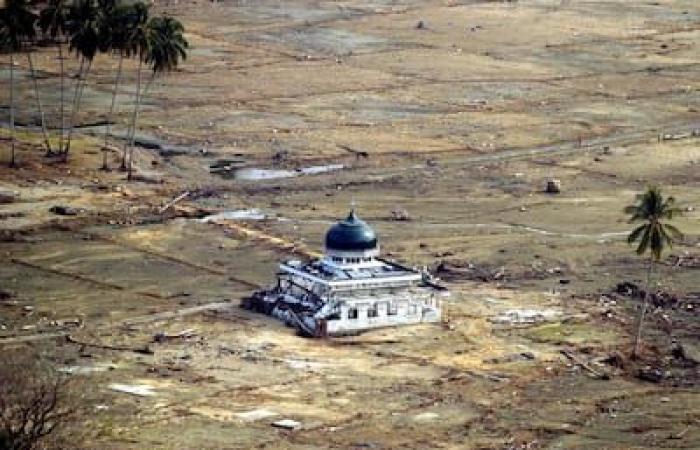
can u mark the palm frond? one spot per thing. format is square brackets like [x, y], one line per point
[644, 242]
[675, 234]
[636, 233]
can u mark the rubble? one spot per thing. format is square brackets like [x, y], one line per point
[255, 414]
[287, 424]
[161, 336]
[8, 197]
[400, 215]
[659, 299]
[452, 270]
[140, 390]
[553, 186]
[651, 374]
[65, 210]
[526, 316]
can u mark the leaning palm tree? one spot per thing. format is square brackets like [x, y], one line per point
[53, 21]
[84, 29]
[16, 27]
[163, 47]
[653, 236]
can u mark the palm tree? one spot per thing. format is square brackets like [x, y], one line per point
[120, 23]
[53, 21]
[84, 29]
[16, 28]
[654, 235]
[163, 47]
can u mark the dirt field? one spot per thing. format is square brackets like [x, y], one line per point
[454, 112]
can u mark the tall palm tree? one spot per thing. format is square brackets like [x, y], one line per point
[16, 27]
[120, 24]
[53, 22]
[653, 236]
[163, 47]
[84, 29]
[139, 39]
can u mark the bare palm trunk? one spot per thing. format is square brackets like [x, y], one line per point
[134, 118]
[64, 151]
[640, 325]
[13, 162]
[39, 106]
[79, 97]
[111, 111]
[63, 88]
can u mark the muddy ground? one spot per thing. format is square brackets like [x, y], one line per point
[452, 114]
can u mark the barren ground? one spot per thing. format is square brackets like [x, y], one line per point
[463, 119]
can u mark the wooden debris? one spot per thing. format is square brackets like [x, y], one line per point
[142, 350]
[585, 365]
[173, 201]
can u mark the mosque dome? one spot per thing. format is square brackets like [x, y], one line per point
[351, 234]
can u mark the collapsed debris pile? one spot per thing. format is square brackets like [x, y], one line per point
[660, 299]
[457, 270]
[298, 312]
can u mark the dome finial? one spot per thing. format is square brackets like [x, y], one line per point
[352, 216]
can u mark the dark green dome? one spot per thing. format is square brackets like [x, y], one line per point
[351, 234]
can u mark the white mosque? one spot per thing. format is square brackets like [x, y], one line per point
[350, 289]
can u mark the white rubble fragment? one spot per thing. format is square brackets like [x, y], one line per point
[287, 424]
[256, 414]
[525, 316]
[426, 417]
[142, 390]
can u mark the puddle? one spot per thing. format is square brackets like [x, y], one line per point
[239, 214]
[254, 174]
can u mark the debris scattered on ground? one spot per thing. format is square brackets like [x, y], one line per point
[287, 424]
[580, 362]
[145, 350]
[141, 390]
[8, 197]
[173, 202]
[452, 270]
[553, 186]
[426, 417]
[85, 370]
[523, 356]
[65, 210]
[150, 178]
[651, 374]
[526, 316]
[162, 336]
[685, 260]
[686, 355]
[239, 214]
[256, 414]
[660, 298]
[400, 214]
